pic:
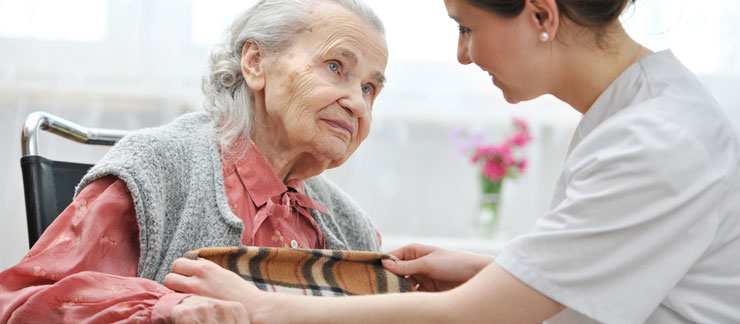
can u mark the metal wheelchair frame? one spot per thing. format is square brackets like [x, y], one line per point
[49, 185]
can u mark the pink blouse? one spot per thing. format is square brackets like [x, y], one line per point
[83, 268]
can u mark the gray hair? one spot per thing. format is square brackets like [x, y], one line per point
[272, 25]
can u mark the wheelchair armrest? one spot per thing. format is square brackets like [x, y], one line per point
[49, 185]
[62, 127]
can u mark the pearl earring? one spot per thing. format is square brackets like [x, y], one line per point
[544, 36]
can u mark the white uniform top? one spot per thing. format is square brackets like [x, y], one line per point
[645, 220]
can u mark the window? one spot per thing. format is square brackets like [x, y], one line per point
[700, 33]
[211, 17]
[68, 20]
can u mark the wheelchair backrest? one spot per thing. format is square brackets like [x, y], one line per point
[49, 185]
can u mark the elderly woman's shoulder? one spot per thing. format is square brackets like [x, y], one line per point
[183, 147]
[185, 131]
[186, 124]
[189, 137]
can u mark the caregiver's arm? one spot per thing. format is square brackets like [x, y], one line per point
[436, 269]
[491, 296]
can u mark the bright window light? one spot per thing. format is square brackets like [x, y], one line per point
[70, 20]
[431, 36]
[210, 18]
[700, 33]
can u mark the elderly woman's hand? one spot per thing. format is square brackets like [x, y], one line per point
[205, 278]
[201, 310]
[434, 269]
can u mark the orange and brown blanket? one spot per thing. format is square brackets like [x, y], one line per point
[308, 272]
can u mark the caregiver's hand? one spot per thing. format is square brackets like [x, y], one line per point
[202, 310]
[205, 278]
[436, 269]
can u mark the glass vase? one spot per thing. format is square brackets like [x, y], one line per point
[486, 223]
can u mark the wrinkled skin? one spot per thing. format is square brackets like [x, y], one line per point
[313, 101]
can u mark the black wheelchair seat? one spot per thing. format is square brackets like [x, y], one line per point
[48, 189]
[49, 185]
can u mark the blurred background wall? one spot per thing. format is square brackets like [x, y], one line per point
[131, 64]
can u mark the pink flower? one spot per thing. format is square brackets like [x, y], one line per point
[491, 152]
[494, 170]
[497, 160]
[521, 123]
[520, 139]
[522, 165]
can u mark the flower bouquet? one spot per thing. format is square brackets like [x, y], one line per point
[497, 162]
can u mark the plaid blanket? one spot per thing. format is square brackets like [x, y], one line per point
[308, 272]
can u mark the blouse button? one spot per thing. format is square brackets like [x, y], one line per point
[293, 244]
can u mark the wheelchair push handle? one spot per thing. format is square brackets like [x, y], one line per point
[44, 121]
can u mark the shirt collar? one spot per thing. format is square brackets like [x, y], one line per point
[260, 179]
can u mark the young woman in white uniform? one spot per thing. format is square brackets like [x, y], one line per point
[645, 222]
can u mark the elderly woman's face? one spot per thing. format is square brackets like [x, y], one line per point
[319, 92]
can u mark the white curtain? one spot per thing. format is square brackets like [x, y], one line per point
[144, 69]
[139, 71]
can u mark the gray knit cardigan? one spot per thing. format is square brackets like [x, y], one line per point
[175, 176]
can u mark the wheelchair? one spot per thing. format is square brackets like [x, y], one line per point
[49, 185]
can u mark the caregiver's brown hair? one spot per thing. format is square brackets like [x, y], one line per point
[585, 13]
[597, 15]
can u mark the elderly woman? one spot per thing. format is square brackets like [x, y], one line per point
[288, 96]
[645, 220]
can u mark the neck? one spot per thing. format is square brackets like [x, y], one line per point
[586, 70]
[285, 160]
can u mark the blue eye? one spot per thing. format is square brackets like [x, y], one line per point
[368, 89]
[334, 67]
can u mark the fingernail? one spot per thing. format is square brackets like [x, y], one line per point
[388, 262]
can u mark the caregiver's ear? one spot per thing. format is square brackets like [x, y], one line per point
[545, 15]
[251, 63]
